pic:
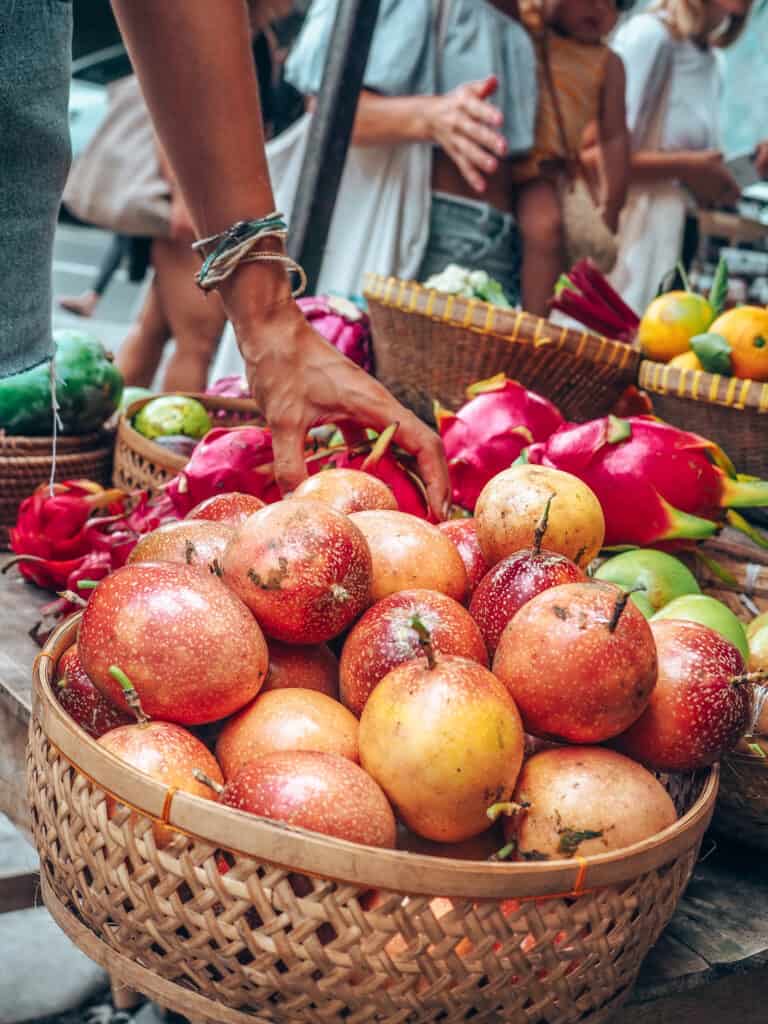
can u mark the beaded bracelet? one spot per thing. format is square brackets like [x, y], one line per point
[238, 244]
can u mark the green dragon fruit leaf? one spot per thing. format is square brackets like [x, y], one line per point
[618, 430]
[714, 352]
[743, 492]
[684, 526]
[738, 522]
[719, 290]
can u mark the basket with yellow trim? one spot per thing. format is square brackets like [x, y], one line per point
[430, 345]
[293, 926]
[729, 410]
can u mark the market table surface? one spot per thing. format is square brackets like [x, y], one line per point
[720, 928]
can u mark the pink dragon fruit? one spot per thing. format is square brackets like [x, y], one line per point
[227, 459]
[343, 324]
[488, 433]
[656, 483]
[380, 460]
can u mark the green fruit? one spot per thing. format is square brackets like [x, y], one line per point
[662, 577]
[133, 394]
[88, 388]
[709, 612]
[172, 414]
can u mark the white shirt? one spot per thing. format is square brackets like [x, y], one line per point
[652, 56]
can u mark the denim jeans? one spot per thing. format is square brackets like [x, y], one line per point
[474, 235]
[35, 51]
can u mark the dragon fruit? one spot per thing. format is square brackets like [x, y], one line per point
[227, 459]
[381, 460]
[343, 324]
[488, 433]
[656, 484]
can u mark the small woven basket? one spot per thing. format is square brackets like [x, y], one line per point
[287, 934]
[429, 345]
[742, 804]
[729, 410]
[25, 463]
[141, 464]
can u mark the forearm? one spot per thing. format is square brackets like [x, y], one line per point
[614, 169]
[195, 66]
[383, 120]
[656, 165]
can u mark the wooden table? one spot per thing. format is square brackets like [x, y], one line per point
[720, 927]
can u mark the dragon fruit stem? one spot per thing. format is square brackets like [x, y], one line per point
[744, 493]
[684, 526]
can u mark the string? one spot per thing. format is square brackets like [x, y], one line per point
[57, 426]
[238, 244]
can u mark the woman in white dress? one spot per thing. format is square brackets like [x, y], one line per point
[673, 98]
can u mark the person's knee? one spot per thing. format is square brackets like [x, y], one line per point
[544, 226]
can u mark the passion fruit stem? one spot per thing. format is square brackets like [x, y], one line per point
[751, 678]
[541, 529]
[506, 807]
[425, 639]
[504, 853]
[72, 597]
[621, 604]
[206, 780]
[131, 696]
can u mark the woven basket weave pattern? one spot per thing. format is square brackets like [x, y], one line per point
[274, 942]
[141, 464]
[728, 410]
[742, 805]
[430, 346]
[25, 463]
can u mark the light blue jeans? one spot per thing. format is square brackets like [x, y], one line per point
[35, 52]
[474, 235]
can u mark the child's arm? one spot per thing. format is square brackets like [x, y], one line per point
[614, 148]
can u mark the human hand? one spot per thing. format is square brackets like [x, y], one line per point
[465, 125]
[761, 159]
[299, 380]
[705, 173]
[611, 211]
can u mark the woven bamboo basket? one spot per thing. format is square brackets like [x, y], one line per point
[287, 934]
[729, 410]
[141, 464]
[25, 463]
[742, 804]
[429, 345]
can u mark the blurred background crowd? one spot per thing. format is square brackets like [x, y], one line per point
[511, 136]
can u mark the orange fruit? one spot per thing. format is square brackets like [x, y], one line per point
[745, 328]
[670, 322]
[687, 361]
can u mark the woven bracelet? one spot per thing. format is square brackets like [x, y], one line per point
[238, 244]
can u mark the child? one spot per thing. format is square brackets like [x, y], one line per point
[581, 83]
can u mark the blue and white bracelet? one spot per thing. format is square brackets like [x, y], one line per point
[238, 244]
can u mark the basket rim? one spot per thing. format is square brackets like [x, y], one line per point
[700, 386]
[27, 446]
[350, 863]
[484, 318]
[129, 436]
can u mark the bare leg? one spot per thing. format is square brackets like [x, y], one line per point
[541, 225]
[139, 356]
[196, 320]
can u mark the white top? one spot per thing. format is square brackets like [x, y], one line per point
[652, 56]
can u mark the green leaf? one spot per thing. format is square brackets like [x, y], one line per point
[618, 430]
[719, 290]
[714, 352]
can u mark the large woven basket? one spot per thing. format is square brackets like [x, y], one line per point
[141, 464]
[728, 410]
[25, 462]
[287, 934]
[742, 805]
[429, 345]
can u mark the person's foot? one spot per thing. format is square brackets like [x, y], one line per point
[80, 305]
